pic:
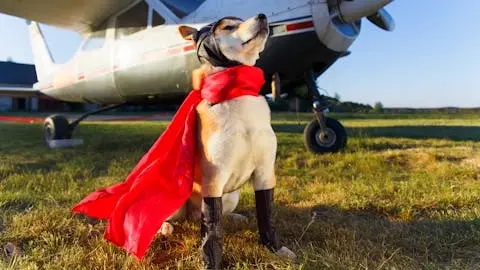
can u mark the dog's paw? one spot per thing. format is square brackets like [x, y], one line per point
[238, 217]
[166, 229]
[286, 253]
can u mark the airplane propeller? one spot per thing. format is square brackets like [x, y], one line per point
[382, 19]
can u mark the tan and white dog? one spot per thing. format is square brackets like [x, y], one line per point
[236, 139]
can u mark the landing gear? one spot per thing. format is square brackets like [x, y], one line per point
[57, 132]
[276, 87]
[322, 134]
[56, 127]
[329, 139]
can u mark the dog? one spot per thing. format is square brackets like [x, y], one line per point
[235, 137]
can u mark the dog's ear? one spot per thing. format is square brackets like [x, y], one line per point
[187, 32]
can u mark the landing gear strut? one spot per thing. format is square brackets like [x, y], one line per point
[57, 132]
[323, 134]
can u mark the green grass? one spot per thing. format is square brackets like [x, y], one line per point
[405, 194]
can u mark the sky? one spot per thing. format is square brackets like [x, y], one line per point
[431, 59]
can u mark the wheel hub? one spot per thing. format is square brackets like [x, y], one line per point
[326, 138]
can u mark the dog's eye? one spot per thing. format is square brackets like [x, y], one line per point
[229, 27]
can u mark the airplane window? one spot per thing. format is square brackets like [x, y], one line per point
[132, 21]
[182, 8]
[95, 41]
[157, 19]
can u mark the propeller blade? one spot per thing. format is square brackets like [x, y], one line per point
[382, 19]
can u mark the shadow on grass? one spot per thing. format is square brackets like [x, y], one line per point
[288, 128]
[31, 167]
[27, 168]
[456, 133]
[339, 239]
[16, 206]
[353, 238]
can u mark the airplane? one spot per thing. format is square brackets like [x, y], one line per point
[132, 53]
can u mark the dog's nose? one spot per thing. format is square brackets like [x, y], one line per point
[262, 16]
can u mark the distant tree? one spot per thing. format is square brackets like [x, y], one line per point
[337, 96]
[378, 107]
[9, 59]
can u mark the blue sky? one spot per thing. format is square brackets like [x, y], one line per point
[431, 59]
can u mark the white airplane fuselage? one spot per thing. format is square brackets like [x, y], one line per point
[122, 65]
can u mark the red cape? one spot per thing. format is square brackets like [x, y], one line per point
[162, 180]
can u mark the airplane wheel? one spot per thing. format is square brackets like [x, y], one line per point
[56, 128]
[335, 137]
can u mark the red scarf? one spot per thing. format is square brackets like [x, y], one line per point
[162, 180]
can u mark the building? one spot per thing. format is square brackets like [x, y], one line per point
[17, 93]
[16, 77]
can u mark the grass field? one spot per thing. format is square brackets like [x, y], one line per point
[405, 194]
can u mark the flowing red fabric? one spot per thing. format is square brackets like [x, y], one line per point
[162, 180]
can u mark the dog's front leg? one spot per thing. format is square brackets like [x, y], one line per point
[264, 207]
[211, 232]
[268, 236]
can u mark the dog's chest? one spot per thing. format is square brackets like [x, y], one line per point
[236, 136]
[242, 115]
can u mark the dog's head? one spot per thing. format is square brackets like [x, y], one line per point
[229, 41]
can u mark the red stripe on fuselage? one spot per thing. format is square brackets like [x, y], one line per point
[299, 26]
[189, 48]
[175, 51]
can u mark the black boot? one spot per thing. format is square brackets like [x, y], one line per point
[211, 231]
[264, 206]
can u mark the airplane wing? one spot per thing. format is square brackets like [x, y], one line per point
[81, 16]
[20, 92]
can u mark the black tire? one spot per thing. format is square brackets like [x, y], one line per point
[56, 127]
[335, 141]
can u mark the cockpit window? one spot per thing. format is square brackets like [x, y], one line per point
[182, 8]
[95, 41]
[157, 19]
